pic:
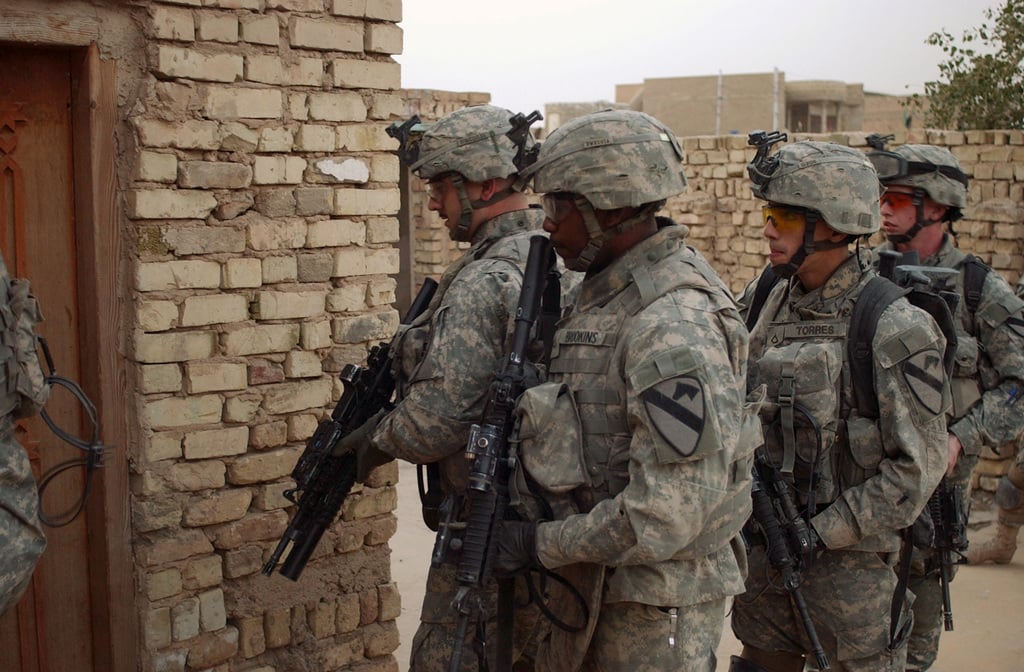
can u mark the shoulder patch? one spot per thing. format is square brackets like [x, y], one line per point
[676, 407]
[923, 374]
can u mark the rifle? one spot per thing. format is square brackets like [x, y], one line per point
[788, 542]
[487, 447]
[946, 508]
[322, 479]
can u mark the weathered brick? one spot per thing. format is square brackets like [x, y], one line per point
[315, 138]
[262, 371]
[348, 612]
[386, 106]
[364, 327]
[353, 74]
[305, 72]
[185, 240]
[193, 476]
[156, 513]
[269, 435]
[370, 502]
[166, 583]
[380, 639]
[169, 204]
[190, 134]
[349, 262]
[160, 378]
[156, 315]
[276, 139]
[271, 496]
[251, 641]
[212, 613]
[240, 273]
[264, 68]
[278, 269]
[178, 412]
[254, 527]
[202, 445]
[243, 562]
[340, 106]
[315, 335]
[321, 619]
[278, 169]
[325, 35]
[314, 201]
[217, 507]
[214, 175]
[203, 572]
[185, 619]
[237, 137]
[214, 309]
[241, 408]
[383, 38]
[183, 544]
[296, 5]
[298, 364]
[189, 64]
[174, 347]
[292, 397]
[236, 102]
[260, 339]
[390, 602]
[163, 447]
[315, 267]
[384, 10]
[277, 624]
[381, 292]
[184, 274]
[172, 23]
[156, 631]
[382, 230]
[214, 376]
[261, 29]
[159, 167]
[288, 305]
[212, 648]
[268, 234]
[218, 27]
[353, 201]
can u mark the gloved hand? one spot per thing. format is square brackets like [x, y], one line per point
[358, 442]
[515, 547]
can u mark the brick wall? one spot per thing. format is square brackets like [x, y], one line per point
[261, 203]
[725, 220]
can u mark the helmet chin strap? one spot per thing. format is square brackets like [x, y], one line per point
[901, 238]
[598, 237]
[461, 231]
[809, 247]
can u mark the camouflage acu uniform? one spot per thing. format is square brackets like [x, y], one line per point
[988, 372]
[870, 478]
[989, 363]
[644, 460]
[636, 452]
[445, 362]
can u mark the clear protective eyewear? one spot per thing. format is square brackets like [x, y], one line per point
[558, 206]
[892, 167]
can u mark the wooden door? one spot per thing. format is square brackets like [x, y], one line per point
[50, 629]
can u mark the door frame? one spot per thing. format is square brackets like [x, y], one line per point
[104, 293]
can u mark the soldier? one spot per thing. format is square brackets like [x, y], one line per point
[925, 187]
[640, 443]
[857, 480]
[25, 392]
[448, 356]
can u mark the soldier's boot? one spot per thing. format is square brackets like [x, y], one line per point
[999, 549]
[1010, 500]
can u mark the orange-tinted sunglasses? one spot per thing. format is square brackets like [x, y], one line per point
[897, 199]
[783, 217]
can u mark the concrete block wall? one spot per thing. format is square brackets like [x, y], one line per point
[262, 198]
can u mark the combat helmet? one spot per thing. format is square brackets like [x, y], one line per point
[835, 181]
[607, 160]
[831, 182]
[933, 169]
[930, 171]
[469, 144]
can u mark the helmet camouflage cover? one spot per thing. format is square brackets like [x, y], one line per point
[613, 158]
[941, 187]
[471, 142]
[838, 182]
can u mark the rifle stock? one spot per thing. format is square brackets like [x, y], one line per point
[323, 480]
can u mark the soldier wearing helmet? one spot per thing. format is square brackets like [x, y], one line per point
[637, 448]
[855, 481]
[446, 359]
[925, 186]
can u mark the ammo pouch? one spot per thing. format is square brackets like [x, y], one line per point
[548, 446]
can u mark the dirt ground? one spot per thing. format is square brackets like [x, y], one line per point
[988, 600]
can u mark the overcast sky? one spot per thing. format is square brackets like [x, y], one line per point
[526, 53]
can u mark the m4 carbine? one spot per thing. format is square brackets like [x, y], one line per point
[323, 479]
